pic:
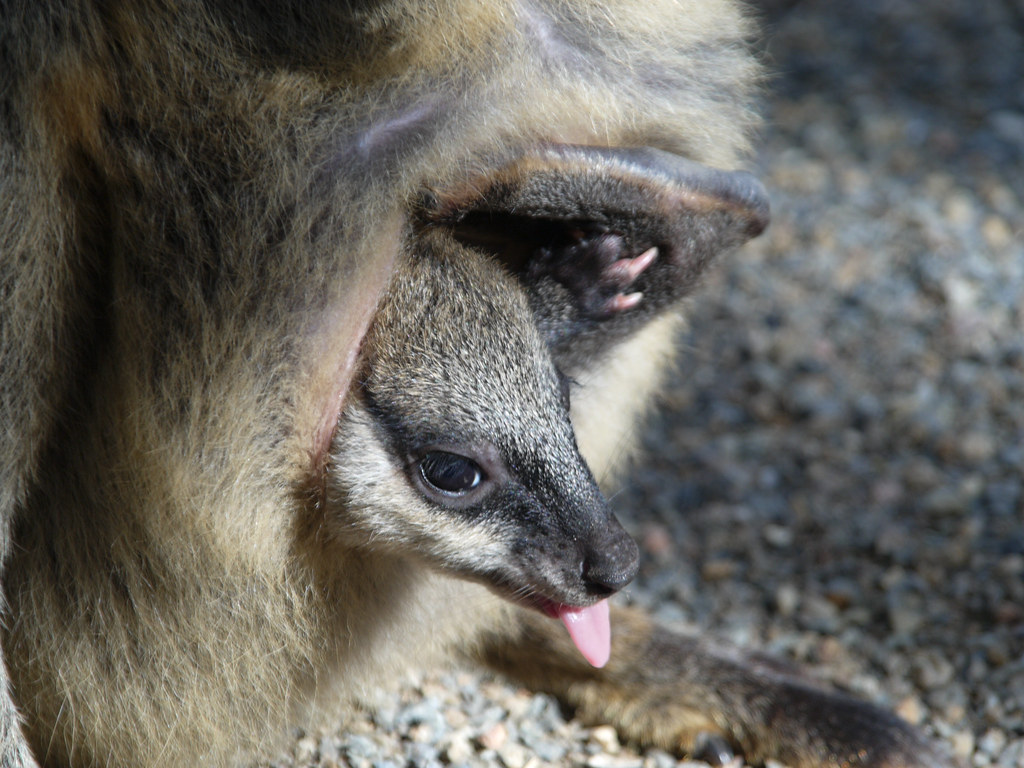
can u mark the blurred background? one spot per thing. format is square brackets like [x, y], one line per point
[838, 475]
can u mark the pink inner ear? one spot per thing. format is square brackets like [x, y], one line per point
[349, 326]
[590, 630]
[337, 334]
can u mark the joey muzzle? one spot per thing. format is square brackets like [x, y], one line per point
[609, 559]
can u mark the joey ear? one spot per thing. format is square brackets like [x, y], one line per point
[604, 239]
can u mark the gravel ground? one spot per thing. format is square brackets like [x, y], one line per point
[835, 475]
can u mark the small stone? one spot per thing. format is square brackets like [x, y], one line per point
[657, 541]
[977, 447]
[992, 742]
[518, 704]
[456, 718]
[778, 536]
[513, 755]
[962, 743]
[1013, 755]
[1012, 565]
[548, 750]
[426, 712]
[328, 749]
[718, 569]
[1008, 613]
[841, 593]
[997, 233]
[359, 747]
[905, 614]
[886, 492]
[911, 709]
[892, 539]
[494, 738]
[1008, 124]
[922, 475]
[386, 717]
[604, 760]
[305, 750]
[421, 733]
[830, 651]
[819, 614]
[959, 209]
[945, 501]
[656, 758]
[459, 748]
[787, 599]
[487, 716]
[932, 670]
[997, 654]
[424, 756]
[607, 738]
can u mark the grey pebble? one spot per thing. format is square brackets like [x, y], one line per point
[359, 747]
[1013, 755]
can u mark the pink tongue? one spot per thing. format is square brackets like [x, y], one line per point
[590, 630]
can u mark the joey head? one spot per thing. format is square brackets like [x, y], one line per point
[456, 447]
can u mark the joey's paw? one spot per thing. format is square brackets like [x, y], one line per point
[595, 271]
[621, 274]
[810, 728]
[590, 290]
[688, 688]
[605, 239]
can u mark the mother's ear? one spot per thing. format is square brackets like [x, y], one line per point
[604, 238]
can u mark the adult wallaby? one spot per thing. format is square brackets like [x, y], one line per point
[202, 205]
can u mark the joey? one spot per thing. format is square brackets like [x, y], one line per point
[459, 431]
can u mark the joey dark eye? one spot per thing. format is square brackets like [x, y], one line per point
[450, 473]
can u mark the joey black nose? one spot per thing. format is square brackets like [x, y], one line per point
[611, 564]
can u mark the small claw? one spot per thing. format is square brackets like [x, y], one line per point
[623, 301]
[630, 269]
